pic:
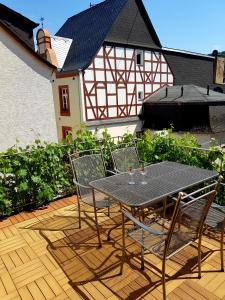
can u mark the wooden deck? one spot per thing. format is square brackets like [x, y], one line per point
[43, 255]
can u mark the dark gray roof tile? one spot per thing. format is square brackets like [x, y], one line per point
[103, 22]
[191, 95]
[88, 30]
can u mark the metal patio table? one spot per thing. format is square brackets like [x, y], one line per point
[163, 179]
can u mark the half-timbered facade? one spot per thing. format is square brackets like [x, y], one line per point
[111, 60]
[119, 79]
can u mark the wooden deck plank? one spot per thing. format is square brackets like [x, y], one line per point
[220, 290]
[8, 261]
[45, 288]
[43, 255]
[12, 296]
[201, 293]
[8, 283]
[57, 289]
[25, 293]
[2, 289]
[35, 291]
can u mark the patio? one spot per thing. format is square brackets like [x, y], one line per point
[43, 255]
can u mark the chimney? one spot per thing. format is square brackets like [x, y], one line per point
[218, 68]
[44, 46]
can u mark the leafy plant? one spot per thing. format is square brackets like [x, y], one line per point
[34, 176]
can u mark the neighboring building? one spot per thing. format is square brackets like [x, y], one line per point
[110, 60]
[26, 101]
[196, 69]
[187, 108]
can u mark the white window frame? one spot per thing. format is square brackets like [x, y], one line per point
[65, 102]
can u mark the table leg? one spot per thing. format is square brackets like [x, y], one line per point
[164, 207]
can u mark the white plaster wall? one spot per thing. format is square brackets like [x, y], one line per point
[26, 99]
[117, 129]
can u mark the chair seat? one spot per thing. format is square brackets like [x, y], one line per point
[216, 216]
[156, 243]
[102, 201]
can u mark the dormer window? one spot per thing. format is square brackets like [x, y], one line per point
[64, 100]
[139, 58]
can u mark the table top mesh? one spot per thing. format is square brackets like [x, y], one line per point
[163, 179]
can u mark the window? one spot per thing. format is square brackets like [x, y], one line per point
[140, 96]
[64, 100]
[66, 131]
[139, 57]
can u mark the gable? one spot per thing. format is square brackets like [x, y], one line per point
[123, 21]
[133, 27]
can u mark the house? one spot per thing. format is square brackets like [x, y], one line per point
[188, 108]
[110, 60]
[26, 100]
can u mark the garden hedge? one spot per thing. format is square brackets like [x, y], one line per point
[34, 176]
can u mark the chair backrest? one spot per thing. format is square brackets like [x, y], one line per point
[125, 157]
[188, 218]
[86, 168]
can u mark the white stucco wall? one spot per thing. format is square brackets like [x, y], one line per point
[116, 128]
[26, 99]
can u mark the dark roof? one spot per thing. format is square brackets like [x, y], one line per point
[90, 28]
[24, 44]
[190, 68]
[191, 95]
[133, 27]
[18, 24]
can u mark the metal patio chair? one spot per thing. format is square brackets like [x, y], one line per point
[87, 168]
[216, 221]
[164, 238]
[125, 156]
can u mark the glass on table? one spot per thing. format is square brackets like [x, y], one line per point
[131, 175]
[143, 174]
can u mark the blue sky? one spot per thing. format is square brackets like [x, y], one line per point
[194, 25]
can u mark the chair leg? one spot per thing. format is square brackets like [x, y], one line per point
[79, 212]
[199, 258]
[142, 258]
[164, 207]
[164, 278]
[96, 219]
[108, 211]
[221, 246]
[123, 244]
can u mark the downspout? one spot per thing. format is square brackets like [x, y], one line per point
[81, 100]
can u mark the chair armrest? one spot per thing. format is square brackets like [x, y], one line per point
[81, 185]
[117, 171]
[144, 163]
[111, 172]
[141, 225]
[219, 208]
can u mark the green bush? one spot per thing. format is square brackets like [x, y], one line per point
[34, 176]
